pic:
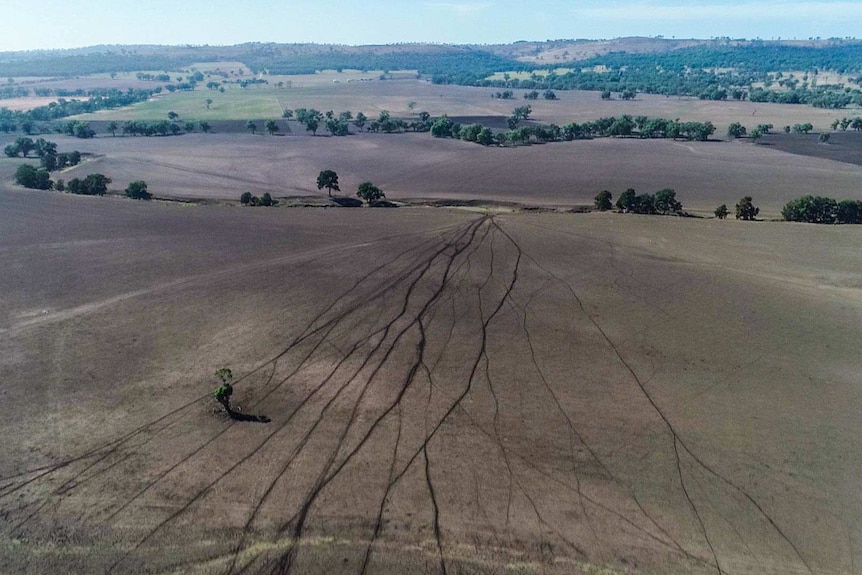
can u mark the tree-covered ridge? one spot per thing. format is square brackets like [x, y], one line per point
[450, 63]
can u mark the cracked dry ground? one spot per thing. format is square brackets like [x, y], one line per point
[450, 392]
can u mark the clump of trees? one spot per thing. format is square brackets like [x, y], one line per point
[33, 178]
[663, 202]
[369, 193]
[823, 210]
[603, 201]
[721, 212]
[92, 185]
[844, 123]
[138, 191]
[266, 200]
[745, 209]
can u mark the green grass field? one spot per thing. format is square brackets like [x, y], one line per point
[234, 103]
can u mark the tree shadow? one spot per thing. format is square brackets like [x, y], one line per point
[346, 202]
[239, 416]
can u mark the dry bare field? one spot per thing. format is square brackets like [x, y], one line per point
[411, 167]
[450, 392]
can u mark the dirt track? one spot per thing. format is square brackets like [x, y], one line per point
[450, 392]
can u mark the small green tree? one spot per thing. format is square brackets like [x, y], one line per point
[266, 200]
[736, 130]
[823, 138]
[138, 191]
[328, 179]
[603, 201]
[251, 126]
[369, 192]
[271, 127]
[245, 198]
[209, 103]
[665, 202]
[205, 127]
[721, 211]
[225, 390]
[189, 127]
[746, 210]
[112, 127]
[360, 121]
[627, 200]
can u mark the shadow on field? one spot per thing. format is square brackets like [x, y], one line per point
[347, 202]
[239, 416]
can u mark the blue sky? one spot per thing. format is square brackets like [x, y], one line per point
[63, 24]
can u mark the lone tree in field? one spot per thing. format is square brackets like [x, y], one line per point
[369, 192]
[271, 127]
[721, 211]
[205, 127]
[360, 121]
[328, 179]
[112, 127]
[251, 126]
[138, 191]
[603, 201]
[225, 390]
[209, 102]
[746, 210]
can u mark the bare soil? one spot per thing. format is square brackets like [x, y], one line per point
[415, 167]
[449, 391]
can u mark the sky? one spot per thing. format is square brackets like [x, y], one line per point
[52, 24]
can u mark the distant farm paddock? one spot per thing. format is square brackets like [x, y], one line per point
[416, 166]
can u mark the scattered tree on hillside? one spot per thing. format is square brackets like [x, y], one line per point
[328, 179]
[245, 198]
[287, 114]
[251, 126]
[603, 201]
[369, 192]
[628, 94]
[823, 138]
[271, 127]
[736, 130]
[721, 211]
[112, 127]
[209, 102]
[92, 185]
[138, 191]
[626, 200]
[746, 210]
[172, 115]
[33, 178]
[811, 209]
[360, 121]
[189, 127]
[205, 127]
[606, 95]
[665, 202]
[225, 390]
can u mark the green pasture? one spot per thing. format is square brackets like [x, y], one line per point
[233, 104]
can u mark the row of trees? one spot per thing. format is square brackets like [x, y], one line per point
[663, 202]
[46, 151]
[623, 126]
[91, 185]
[823, 210]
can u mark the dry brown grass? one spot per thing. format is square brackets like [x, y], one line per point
[415, 166]
[552, 392]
